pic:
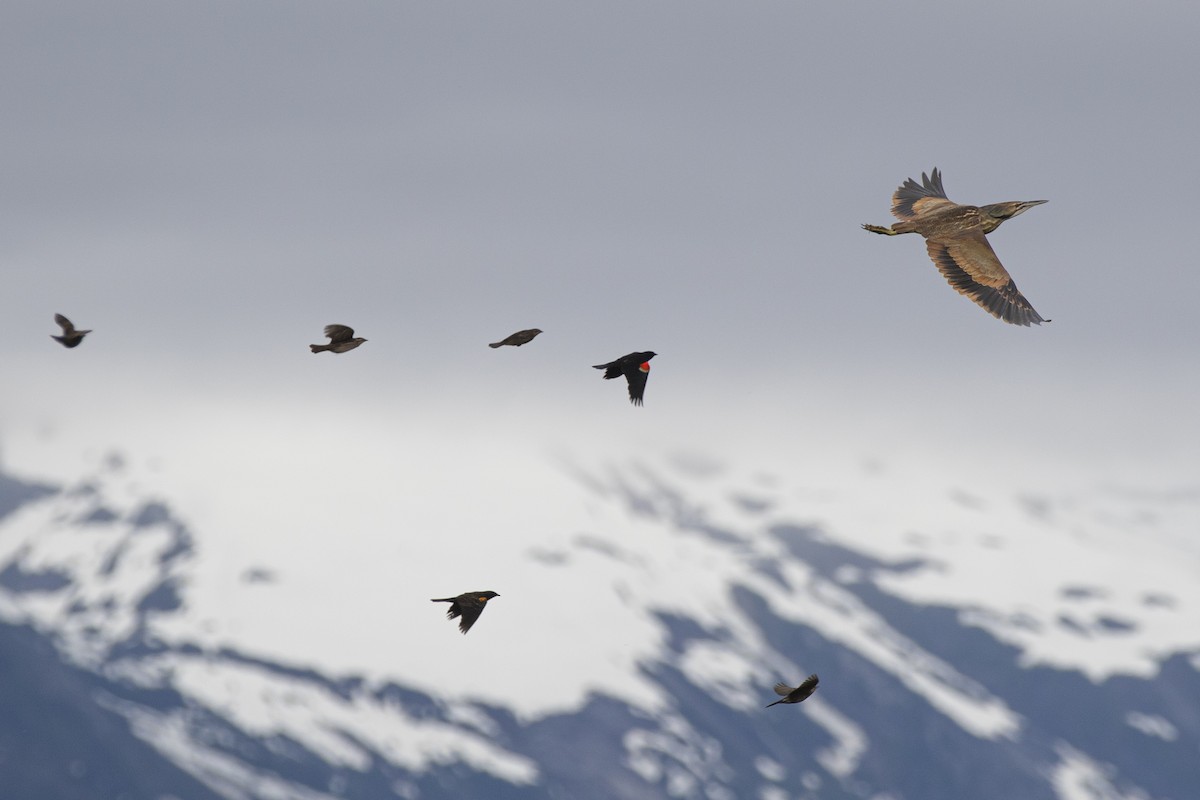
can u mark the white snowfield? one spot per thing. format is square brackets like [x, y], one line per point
[336, 577]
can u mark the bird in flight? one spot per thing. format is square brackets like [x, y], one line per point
[70, 337]
[341, 339]
[799, 694]
[955, 237]
[468, 606]
[636, 369]
[517, 339]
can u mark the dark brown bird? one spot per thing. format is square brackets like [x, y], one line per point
[956, 241]
[797, 695]
[70, 337]
[468, 606]
[341, 339]
[636, 369]
[517, 339]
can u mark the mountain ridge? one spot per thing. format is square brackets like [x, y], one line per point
[736, 582]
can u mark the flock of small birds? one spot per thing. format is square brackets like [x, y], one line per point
[955, 237]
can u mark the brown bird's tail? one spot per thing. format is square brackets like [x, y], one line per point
[495, 344]
[777, 702]
[316, 348]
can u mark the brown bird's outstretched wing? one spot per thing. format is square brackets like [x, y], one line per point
[65, 324]
[339, 333]
[911, 201]
[971, 267]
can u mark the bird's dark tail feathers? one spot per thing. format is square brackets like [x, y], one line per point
[316, 348]
[610, 371]
[777, 702]
[495, 344]
[441, 600]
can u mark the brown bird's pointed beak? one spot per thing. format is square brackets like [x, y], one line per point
[1025, 205]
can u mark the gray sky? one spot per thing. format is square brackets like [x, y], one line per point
[208, 185]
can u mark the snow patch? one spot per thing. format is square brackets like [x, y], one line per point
[1152, 725]
[723, 672]
[1077, 777]
[841, 758]
[342, 731]
[770, 769]
[679, 757]
[170, 735]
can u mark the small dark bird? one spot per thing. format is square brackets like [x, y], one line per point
[341, 339]
[635, 367]
[799, 694]
[70, 337]
[468, 606]
[517, 339]
[956, 241]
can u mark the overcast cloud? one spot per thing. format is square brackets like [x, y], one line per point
[208, 185]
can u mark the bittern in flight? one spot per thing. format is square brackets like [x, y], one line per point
[956, 240]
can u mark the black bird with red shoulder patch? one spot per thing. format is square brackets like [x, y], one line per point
[636, 369]
[468, 606]
[798, 694]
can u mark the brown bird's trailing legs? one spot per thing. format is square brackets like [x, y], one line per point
[881, 229]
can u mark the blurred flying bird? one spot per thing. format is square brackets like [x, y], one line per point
[517, 339]
[635, 367]
[798, 694]
[956, 241]
[341, 339]
[70, 337]
[468, 606]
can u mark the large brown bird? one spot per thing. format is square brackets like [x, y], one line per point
[341, 339]
[468, 606]
[797, 695]
[70, 337]
[517, 339]
[956, 241]
[635, 367]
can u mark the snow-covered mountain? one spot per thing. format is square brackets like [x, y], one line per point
[999, 644]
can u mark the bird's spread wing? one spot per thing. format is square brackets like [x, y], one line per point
[339, 333]
[470, 613]
[970, 266]
[911, 200]
[809, 684]
[782, 689]
[65, 324]
[636, 376]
